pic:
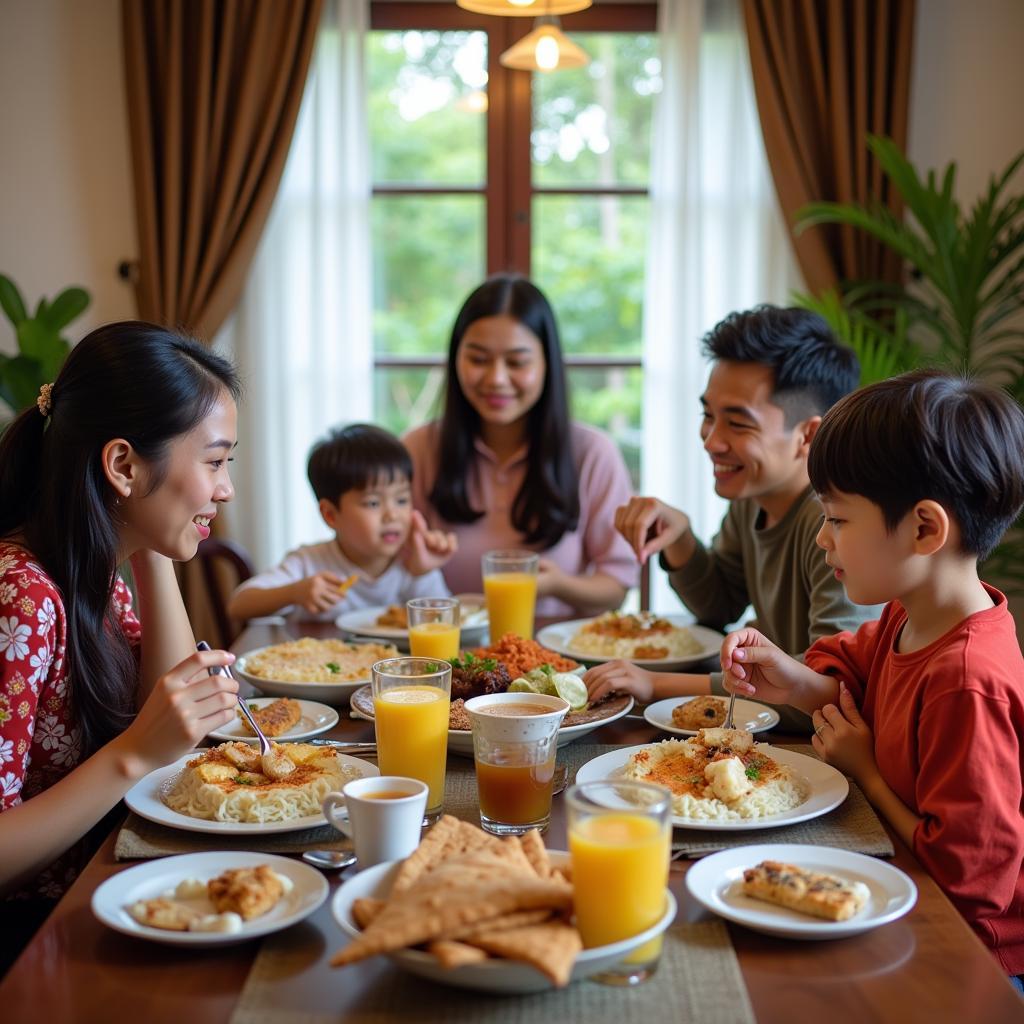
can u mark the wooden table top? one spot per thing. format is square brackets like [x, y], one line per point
[926, 966]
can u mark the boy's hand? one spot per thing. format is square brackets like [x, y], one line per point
[619, 677]
[427, 550]
[843, 739]
[650, 525]
[318, 593]
[755, 667]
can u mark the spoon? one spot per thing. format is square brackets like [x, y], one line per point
[329, 860]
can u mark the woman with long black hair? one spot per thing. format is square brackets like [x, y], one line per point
[505, 467]
[124, 459]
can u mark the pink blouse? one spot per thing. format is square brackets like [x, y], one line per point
[594, 546]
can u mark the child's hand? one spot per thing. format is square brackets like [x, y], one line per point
[318, 593]
[843, 739]
[549, 578]
[754, 666]
[619, 677]
[427, 550]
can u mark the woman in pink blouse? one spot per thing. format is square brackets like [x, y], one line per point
[505, 467]
[124, 458]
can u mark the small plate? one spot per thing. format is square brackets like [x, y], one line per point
[749, 715]
[559, 637]
[716, 882]
[150, 880]
[363, 622]
[144, 799]
[460, 741]
[829, 789]
[493, 975]
[316, 718]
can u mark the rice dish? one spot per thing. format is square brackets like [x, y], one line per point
[316, 661]
[635, 637]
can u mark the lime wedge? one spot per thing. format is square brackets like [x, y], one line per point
[522, 685]
[572, 689]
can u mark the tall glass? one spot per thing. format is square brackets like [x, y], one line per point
[620, 837]
[410, 707]
[433, 627]
[510, 586]
[514, 740]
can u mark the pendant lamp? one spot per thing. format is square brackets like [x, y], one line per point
[523, 8]
[546, 48]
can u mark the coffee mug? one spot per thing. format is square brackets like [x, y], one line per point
[381, 815]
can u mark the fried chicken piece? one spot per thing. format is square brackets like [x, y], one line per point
[169, 915]
[241, 755]
[248, 892]
[274, 719]
[736, 741]
[478, 677]
[277, 764]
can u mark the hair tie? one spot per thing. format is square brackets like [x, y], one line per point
[44, 403]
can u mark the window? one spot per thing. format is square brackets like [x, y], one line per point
[478, 169]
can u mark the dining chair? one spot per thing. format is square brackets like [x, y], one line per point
[223, 565]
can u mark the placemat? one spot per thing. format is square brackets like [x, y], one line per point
[698, 981]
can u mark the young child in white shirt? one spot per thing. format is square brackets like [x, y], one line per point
[361, 476]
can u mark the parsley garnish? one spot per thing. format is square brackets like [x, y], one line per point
[333, 666]
[753, 772]
[471, 661]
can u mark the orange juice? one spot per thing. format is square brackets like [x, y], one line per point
[412, 735]
[511, 597]
[434, 640]
[619, 873]
[515, 794]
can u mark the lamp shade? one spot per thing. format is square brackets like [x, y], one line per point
[523, 8]
[546, 48]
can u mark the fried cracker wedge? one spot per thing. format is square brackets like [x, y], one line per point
[551, 947]
[449, 953]
[536, 853]
[449, 838]
[517, 919]
[365, 909]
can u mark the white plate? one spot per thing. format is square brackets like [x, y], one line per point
[559, 638]
[500, 976]
[749, 715]
[460, 741]
[144, 799]
[150, 880]
[316, 718]
[363, 622]
[716, 881]
[335, 694]
[828, 789]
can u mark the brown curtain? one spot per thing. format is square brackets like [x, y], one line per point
[214, 88]
[826, 73]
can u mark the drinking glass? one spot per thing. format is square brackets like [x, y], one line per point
[510, 586]
[620, 836]
[410, 707]
[514, 740]
[433, 627]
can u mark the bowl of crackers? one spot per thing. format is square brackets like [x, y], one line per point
[471, 910]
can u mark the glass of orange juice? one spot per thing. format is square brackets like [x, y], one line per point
[433, 627]
[514, 741]
[410, 710]
[510, 586]
[620, 837]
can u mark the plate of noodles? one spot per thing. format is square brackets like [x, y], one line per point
[206, 791]
[389, 622]
[311, 669]
[652, 641]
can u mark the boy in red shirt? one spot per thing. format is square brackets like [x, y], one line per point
[919, 477]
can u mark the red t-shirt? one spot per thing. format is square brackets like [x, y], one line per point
[40, 741]
[948, 723]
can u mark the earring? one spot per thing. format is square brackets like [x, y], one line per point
[128, 493]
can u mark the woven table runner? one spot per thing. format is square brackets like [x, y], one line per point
[698, 981]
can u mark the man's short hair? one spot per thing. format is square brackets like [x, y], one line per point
[927, 435]
[355, 457]
[812, 370]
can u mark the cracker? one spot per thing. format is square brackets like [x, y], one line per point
[516, 919]
[365, 909]
[449, 953]
[536, 853]
[551, 947]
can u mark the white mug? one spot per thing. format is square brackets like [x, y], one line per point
[381, 827]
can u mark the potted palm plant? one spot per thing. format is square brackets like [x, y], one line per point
[963, 307]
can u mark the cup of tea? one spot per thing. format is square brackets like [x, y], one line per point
[381, 815]
[515, 736]
[433, 627]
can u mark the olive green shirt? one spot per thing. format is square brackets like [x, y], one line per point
[781, 572]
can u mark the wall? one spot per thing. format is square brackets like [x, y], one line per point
[66, 213]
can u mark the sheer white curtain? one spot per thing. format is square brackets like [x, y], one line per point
[301, 335]
[717, 244]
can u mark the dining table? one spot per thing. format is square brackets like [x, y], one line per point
[926, 966]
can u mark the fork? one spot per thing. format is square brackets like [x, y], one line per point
[223, 670]
[729, 723]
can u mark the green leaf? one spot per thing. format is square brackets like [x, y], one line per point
[11, 301]
[22, 377]
[71, 303]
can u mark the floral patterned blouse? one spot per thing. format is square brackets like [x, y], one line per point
[40, 741]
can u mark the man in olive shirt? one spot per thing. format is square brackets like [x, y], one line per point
[775, 372]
